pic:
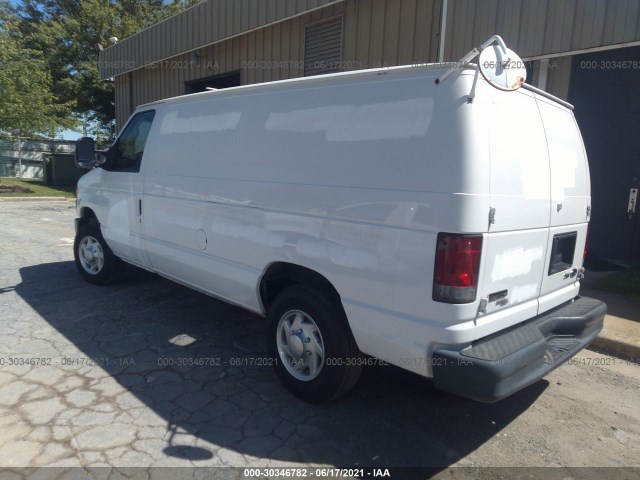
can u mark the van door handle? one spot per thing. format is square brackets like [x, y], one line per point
[139, 207]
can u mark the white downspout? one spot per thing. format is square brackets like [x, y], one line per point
[443, 30]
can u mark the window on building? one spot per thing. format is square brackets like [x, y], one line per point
[226, 80]
[323, 47]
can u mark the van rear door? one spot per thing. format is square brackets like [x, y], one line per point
[570, 204]
[541, 196]
[520, 192]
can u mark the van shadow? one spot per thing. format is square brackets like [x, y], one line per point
[198, 364]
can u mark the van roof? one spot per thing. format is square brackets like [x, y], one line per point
[436, 68]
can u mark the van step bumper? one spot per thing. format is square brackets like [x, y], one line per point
[497, 366]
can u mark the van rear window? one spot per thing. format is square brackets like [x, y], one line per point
[562, 251]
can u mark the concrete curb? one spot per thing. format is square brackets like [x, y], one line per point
[36, 199]
[616, 347]
[620, 336]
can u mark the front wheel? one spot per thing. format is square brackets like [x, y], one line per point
[94, 259]
[315, 354]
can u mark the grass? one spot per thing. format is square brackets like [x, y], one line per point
[37, 187]
[624, 282]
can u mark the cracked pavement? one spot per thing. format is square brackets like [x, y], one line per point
[149, 373]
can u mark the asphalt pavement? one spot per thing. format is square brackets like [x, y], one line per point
[149, 373]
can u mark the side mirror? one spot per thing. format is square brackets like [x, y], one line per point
[86, 153]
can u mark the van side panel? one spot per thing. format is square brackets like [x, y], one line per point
[331, 178]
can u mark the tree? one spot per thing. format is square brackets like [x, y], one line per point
[27, 105]
[72, 33]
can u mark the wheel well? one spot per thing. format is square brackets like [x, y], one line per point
[87, 215]
[282, 275]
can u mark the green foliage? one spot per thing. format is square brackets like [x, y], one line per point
[27, 105]
[70, 34]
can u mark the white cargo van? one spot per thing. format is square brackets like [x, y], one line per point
[434, 219]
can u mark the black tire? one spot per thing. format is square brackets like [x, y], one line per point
[89, 237]
[341, 364]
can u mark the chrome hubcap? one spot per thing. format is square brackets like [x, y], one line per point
[300, 345]
[91, 255]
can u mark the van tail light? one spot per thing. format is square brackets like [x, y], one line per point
[457, 268]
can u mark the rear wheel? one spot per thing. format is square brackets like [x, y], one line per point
[316, 357]
[94, 259]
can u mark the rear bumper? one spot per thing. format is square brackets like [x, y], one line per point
[505, 362]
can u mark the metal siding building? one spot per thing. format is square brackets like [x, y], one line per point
[220, 43]
[265, 39]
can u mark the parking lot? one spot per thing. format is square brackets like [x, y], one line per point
[149, 373]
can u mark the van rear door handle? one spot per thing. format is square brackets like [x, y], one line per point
[139, 207]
